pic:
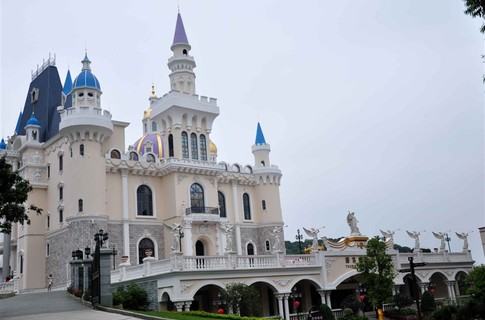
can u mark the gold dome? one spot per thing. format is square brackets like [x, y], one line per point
[147, 113]
[212, 147]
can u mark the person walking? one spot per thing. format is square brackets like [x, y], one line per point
[49, 283]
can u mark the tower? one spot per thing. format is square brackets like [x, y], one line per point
[261, 149]
[86, 126]
[32, 129]
[181, 64]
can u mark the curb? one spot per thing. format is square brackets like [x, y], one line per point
[129, 313]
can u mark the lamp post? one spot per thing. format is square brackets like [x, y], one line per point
[299, 237]
[448, 239]
[87, 252]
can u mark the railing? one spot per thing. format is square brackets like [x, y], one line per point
[8, 287]
[202, 210]
[315, 315]
[338, 313]
[202, 263]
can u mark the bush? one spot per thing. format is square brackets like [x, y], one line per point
[133, 298]
[242, 298]
[428, 305]
[402, 301]
[351, 302]
[326, 312]
[445, 313]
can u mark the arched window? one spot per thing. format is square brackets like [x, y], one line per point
[133, 156]
[193, 146]
[115, 154]
[184, 52]
[145, 128]
[262, 163]
[185, 145]
[197, 198]
[267, 245]
[247, 207]
[222, 204]
[170, 145]
[81, 149]
[199, 248]
[146, 248]
[144, 201]
[250, 249]
[80, 205]
[150, 158]
[203, 148]
[154, 126]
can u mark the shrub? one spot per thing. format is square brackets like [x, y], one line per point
[351, 302]
[402, 301]
[133, 298]
[326, 312]
[242, 298]
[428, 305]
[445, 313]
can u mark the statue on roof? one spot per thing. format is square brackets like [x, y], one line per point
[388, 236]
[352, 222]
[441, 236]
[463, 236]
[313, 233]
[415, 235]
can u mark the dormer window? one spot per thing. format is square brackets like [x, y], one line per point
[34, 95]
[148, 147]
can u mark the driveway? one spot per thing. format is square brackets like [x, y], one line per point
[57, 305]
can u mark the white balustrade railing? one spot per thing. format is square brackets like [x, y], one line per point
[258, 262]
[9, 287]
[338, 313]
[299, 260]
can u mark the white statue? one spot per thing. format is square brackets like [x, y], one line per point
[313, 233]
[176, 232]
[352, 222]
[277, 238]
[441, 237]
[227, 228]
[388, 235]
[463, 236]
[415, 235]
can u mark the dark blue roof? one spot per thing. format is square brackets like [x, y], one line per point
[50, 97]
[18, 127]
[67, 84]
[259, 136]
[180, 37]
[3, 145]
[33, 121]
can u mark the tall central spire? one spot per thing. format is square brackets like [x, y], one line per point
[181, 64]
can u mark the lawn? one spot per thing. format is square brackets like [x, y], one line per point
[196, 315]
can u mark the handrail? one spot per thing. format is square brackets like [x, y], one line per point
[202, 210]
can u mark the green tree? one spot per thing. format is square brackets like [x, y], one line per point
[476, 282]
[243, 299]
[14, 191]
[476, 8]
[377, 272]
[326, 312]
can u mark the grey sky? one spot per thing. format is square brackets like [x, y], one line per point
[372, 106]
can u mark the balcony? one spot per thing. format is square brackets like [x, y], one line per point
[202, 210]
[203, 214]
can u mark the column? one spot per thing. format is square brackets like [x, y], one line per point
[187, 305]
[451, 293]
[237, 217]
[281, 311]
[6, 256]
[179, 305]
[126, 226]
[323, 298]
[287, 306]
[328, 295]
[423, 286]
[187, 246]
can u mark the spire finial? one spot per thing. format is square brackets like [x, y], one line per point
[154, 95]
[86, 62]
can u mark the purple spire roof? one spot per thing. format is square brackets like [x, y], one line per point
[180, 37]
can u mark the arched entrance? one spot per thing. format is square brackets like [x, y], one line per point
[166, 304]
[146, 248]
[269, 305]
[305, 292]
[250, 249]
[409, 288]
[438, 286]
[461, 285]
[199, 248]
[209, 298]
[346, 294]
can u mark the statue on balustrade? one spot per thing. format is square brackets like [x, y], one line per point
[227, 229]
[313, 233]
[415, 235]
[277, 232]
[388, 237]
[463, 236]
[440, 236]
[352, 222]
[176, 233]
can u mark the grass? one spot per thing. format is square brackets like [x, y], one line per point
[195, 315]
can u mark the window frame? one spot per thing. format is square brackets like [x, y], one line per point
[194, 146]
[247, 207]
[201, 200]
[220, 195]
[185, 145]
[151, 204]
[203, 147]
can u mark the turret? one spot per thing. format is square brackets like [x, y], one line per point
[181, 64]
[32, 130]
[261, 149]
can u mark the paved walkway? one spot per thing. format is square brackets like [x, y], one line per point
[51, 306]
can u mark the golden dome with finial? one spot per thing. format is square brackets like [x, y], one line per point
[147, 113]
[212, 147]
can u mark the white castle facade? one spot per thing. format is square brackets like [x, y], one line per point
[198, 224]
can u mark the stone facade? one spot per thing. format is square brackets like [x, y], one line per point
[150, 286]
[152, 232]
[258, 237]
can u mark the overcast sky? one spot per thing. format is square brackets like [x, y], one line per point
[370, 106]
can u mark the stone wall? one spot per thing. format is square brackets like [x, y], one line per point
[258, 237]
[140, 231]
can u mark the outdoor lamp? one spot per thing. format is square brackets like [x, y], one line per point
[87, 252]
[73, 254]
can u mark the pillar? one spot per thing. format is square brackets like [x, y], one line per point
[187, 305]
[281, 311]
[187, 245]
[237, 217]
[451, 292]
[6, 256]
[126, 226]
[423, 286]
[328, 296]
[106, 297]
[287, 306]
[323, 298]
[179, 306]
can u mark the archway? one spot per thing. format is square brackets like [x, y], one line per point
[269, 305]
[146, 248]
[166, 304]
[199, 248]
[346, 294]
[306, 293]
[461, 285]
[438, 286]
[409, 288]
[209, 298]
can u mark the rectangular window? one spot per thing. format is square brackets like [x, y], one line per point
[47, 250]
[61, 215]
[48, 171]
[21, 264]
[48, 221]
[61, 193]
[80, 205]
[61, 162]
[263, 204]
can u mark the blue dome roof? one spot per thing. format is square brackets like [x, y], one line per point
[86, 79]
[33, 121]
[3, 145]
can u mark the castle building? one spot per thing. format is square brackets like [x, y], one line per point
[183, 223]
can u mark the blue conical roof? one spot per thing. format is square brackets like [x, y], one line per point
[67, 84]
[180, 37]
[3, 145]
[259, 136]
